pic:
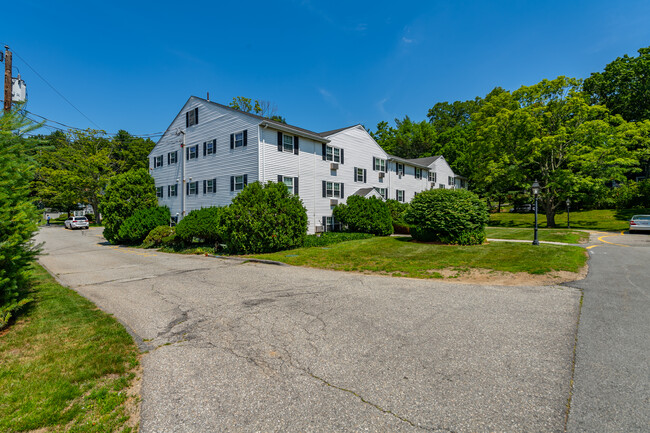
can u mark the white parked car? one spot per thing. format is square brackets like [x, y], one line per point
[76, 222]
[640, 223]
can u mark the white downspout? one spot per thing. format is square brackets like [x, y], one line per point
[181, 132]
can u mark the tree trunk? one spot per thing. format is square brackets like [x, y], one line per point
[95, 203]
[499, 205]
[550, 213]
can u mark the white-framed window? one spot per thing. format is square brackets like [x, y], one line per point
[441, 186]
[333, 189]
[192, 117]
[239, 139]
[157, 161]
[192, 152]
[209, 186]
[383, 192]
[237, 183]
[380, 164]
[159, 191]
[287, 143]
[359, 174]
[418, 173]
[432, 176]
[399, 169]
[330, 223]
[450, 180]
[172, 157]
[399, 195]
[193, 188]
[210, 147]
[290, 182]
[172, 190]
[332, 154]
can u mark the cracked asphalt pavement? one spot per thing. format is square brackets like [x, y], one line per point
[248, 347]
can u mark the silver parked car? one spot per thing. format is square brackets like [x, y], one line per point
[640, 223]
[76, 222]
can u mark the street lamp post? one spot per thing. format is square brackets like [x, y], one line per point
[535, 188]
[568, 213]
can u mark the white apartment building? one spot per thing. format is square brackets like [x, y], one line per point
[210, 152]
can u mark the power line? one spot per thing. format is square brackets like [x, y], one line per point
[59, 93]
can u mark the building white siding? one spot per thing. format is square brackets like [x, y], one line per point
[443, 173]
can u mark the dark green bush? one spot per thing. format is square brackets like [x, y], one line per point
[397, 210]
[330, 238]
[125, 194]
[205, 224]
[633, 195]
[156, 236]
[451, 216]
[136, 227]
[264, 219]
[365, 215]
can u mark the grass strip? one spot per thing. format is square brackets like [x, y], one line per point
[602, 219]
[399, 256]
[66, 365]
[549, 235]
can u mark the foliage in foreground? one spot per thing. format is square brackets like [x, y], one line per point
[264, 218]
[18, 216]
[157, 236]
[450, 216]
[330, 238]
[136, 227]
[66, 366]
[365, 215]
[205, 224]
[125, 194]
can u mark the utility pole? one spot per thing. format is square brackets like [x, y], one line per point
[8, 82]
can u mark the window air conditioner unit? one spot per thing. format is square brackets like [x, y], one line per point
[334, 166]
[381, 174]
[333, 202]
[320, 229]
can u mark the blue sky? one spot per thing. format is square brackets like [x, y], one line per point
[325, 65]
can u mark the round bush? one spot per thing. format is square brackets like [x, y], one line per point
[136, 227]
[263, 219]
[205, 223]
[397, 210]
[451, 216]
[156, 236]
[365, 215]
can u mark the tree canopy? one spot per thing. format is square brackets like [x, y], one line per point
[260, 107]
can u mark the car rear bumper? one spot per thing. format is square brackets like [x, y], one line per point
[639, 229]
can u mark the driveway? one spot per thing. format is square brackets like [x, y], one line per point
[612, 370]
[251, 347]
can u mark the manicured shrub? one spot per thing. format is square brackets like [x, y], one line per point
[204, 224]
[136, 227]
[264, 218]
[397, 210]
[125, 194]
[330, 238]
[365, 215]
[156, 236]
[451, 216]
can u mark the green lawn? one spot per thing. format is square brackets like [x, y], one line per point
[399, 256]
[66, 365]
[552, 235]
[604, 219]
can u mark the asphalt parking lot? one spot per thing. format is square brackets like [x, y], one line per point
[238, 346]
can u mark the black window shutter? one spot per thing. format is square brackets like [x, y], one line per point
[245, 137]
[324, 151]
[232, 141]
[341, 156]
[205, 186]
[364, 175]
[279, 141]
[187, 153]
[245, 179]
[205, 145]
[396, 165]
[196, 116]
[342, 192]
[187, 119]
[296, 145]
[232, 183]
[214, 145]
[295, 185]
[325, 222]
[187, 187]
[168, 159]
[214, 185]
[279, 178]
[324, 189]
[169, 190]
[355, 174]
[373, 162]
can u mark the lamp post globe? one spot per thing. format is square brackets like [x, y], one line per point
[535, 188]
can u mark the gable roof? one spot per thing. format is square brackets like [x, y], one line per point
[335, 131]
[265, 121]
[426, 161]
[413, 162]
[363, 192]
